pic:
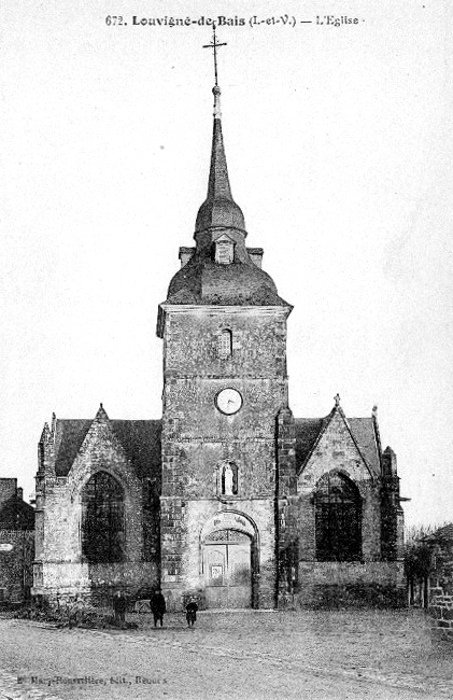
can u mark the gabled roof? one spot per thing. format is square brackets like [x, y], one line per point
[69, 436]
[141, 442]
[310, 430]
[139, 438]
[15, 514]
[365, 436]
[307, 431]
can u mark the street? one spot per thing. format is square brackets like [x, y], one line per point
[249, 654]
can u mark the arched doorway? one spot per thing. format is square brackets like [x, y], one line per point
[229, 562]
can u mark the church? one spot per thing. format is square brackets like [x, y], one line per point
[228, 496]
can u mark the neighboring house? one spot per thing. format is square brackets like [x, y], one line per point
[228, 494]
[17, 524]
[441, 567]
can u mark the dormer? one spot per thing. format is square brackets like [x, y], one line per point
[185, 254]
[256, 255]
[224, 250]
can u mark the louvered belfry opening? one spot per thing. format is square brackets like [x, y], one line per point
[103, 535]
[338, 519]
[225, 344]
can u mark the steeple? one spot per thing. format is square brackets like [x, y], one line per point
[219, 209]
[220, 270]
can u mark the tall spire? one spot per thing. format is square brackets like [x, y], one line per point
[207, 277]
[219, 208]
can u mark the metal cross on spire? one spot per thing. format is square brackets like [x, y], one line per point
[214, 46]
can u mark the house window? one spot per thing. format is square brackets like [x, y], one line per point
[338, 519]
[225, 344]
[229, 479]
[102, 519]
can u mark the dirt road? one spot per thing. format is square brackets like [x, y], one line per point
[256, 655]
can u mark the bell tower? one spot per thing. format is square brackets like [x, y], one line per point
[223, 327]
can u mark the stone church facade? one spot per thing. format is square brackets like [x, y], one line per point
[228, 496]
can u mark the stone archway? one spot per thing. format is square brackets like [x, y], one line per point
[229, 561]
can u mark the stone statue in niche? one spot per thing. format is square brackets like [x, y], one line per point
[228, 480]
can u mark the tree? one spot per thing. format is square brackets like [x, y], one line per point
[418, 561]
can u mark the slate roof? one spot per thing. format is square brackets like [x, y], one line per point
[139, 438]
[204, 282]
[308, 430]
[365, 436]
[69, 436]
[241, 283]
[141, 442]
[219, 208]
[15, 514]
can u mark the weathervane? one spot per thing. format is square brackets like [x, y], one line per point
[214, 46]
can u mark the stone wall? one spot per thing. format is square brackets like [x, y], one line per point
[8, 488]
[287, 522]
[197, 438]
[392, 518]
[338, 584]
[336, 450]
[441, 610]
[59, 565]
[373, 580]
[16, 564]
[183, 555]
[92, 582]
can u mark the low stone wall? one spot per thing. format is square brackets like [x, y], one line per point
[441, 610]
[93, 583]
[351, 584]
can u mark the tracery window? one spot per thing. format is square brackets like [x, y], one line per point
[225, 344]
[103, 535]
[338, 519]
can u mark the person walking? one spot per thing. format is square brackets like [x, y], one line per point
[119, 608]
[158, 607]
[191, 613]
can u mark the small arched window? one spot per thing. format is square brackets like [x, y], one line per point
[103, 519]
[338, 519]
[225, 344]
[229, 479]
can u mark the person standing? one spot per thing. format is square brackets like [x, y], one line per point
[191, 613]
[158, 607]
[119, 608]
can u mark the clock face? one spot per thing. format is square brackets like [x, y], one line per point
[228, 401]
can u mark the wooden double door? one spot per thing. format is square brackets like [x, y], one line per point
[227, 567]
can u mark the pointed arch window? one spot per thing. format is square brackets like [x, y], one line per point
[338, 519]
[225, 344]
[103, 532]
